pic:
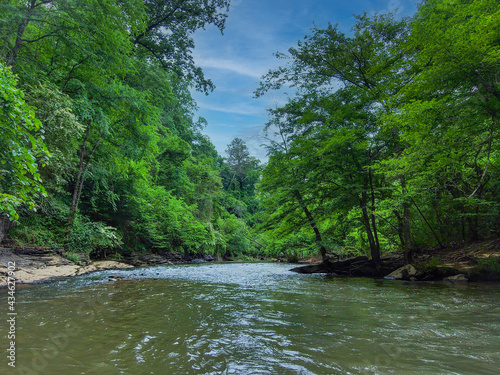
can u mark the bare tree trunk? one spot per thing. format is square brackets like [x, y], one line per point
[317, 234]
[80, 177]
[408, 246]
[12, 54]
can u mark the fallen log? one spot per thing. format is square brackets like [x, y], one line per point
[358, 266]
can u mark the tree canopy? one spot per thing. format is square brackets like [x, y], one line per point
[100, 135]
[390, 141]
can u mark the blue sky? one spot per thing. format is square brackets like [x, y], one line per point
[235, 61]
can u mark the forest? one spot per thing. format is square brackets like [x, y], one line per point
[389, 144]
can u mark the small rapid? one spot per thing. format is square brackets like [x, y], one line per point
[253, 318]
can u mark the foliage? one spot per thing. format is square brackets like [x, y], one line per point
[488, 265]
[61, 132]
[390, 141]
[294, 245]
[240, 175]
[430, 265]
[391, 138]
[92, 237]
[35, 230]
[21, 147]
[72, 256]
[129, 167]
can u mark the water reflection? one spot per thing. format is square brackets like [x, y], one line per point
[254, 319]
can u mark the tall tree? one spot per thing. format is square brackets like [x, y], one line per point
[21, 149]
[342, 87]
[448, 117]
[167, 35]
[241, 176]
[88, 47]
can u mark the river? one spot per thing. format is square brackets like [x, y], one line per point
[251, 318]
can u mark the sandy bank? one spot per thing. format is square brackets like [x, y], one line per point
[34, 265]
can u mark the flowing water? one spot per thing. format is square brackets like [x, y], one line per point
[251, 319]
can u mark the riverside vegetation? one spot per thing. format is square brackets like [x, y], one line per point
[389, 145]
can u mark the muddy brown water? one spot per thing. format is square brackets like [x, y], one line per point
[253, 318]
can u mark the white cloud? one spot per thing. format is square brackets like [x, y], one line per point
[246, 109]
[250, 70]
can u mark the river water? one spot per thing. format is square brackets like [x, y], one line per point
[251, 318]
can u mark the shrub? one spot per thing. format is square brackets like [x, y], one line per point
[72, 256]
[487, 269]
[94, 238]
[36, 230]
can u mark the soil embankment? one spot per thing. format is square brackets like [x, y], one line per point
[473, 262]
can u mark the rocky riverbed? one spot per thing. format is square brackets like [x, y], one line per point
[34, 265]
[38, 264]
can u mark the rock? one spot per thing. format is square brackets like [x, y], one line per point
[403, 273]
[457, 278]
[197, 261]
[115, 278]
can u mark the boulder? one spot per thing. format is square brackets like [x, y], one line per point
[457, 278]
[403, 273]
[197, 261]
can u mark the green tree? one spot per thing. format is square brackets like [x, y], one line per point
[447, 118]
[343, 84]
[242, 174]
[111, 81]
[167, 35]
[22, 147]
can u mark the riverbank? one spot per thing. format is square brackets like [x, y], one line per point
[472, 262]
[35, 264]
[38, 264]
[479, 261]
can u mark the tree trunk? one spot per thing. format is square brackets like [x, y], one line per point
[317, 234]
[80, 177]
[428, 224]
[77, 186]
[372, 209]
[408, 246]
[12, 54]
[401, 230]
[254, 241]
[5, 225]
[374, 247]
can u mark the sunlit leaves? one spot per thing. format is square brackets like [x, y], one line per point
[20, 148]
